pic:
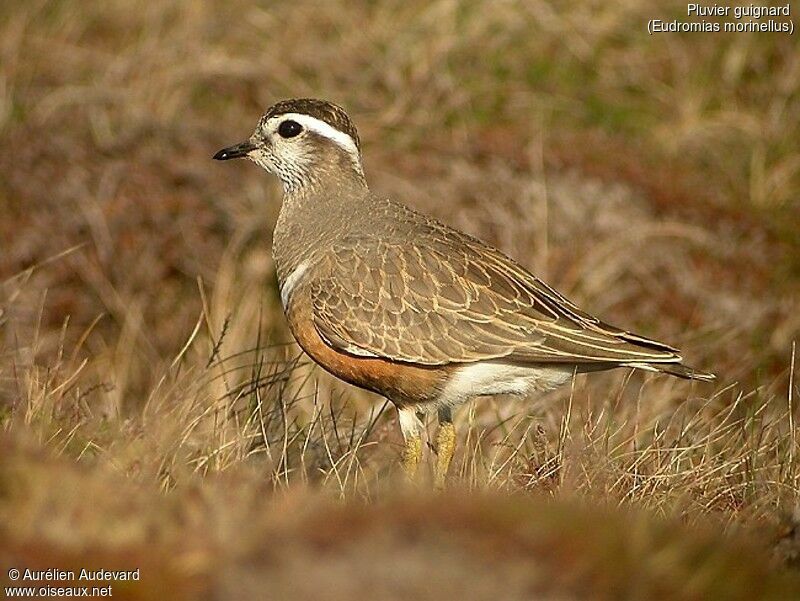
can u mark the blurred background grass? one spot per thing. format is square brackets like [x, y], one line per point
[654, 180]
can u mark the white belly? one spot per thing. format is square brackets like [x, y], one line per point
[494, 378]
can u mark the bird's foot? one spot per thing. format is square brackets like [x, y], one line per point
[446, 444]
[411, 456]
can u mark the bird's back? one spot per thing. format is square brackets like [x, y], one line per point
[398, 284]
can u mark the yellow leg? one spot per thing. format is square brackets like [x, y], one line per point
[411, 426]
[445, 447]
[411, 456]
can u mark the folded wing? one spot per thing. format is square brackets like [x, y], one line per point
[448, 298]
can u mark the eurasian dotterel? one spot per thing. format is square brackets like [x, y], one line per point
[396, 302]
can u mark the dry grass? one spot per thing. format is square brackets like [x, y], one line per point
[217, 539]
[653, 180]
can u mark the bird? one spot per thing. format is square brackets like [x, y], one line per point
[394, 301]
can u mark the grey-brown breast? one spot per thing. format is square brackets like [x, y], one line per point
[426, 294]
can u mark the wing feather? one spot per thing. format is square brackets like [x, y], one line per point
[448, 298]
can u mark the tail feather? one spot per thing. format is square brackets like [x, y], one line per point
[677, 369]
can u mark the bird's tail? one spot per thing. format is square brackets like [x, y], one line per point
[677, 369]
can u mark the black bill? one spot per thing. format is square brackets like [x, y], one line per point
[235, 152]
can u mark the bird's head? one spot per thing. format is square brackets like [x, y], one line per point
[305, 142]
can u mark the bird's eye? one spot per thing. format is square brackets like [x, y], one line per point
[289, 129]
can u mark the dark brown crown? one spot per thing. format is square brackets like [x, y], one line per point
[330, 113]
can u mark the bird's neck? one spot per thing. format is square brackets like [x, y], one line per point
[314, 216]
[327, 168]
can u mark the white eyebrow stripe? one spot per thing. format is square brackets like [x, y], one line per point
[319, 126]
